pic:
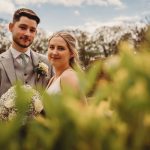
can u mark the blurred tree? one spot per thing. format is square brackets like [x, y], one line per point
[86, 47]
[40, 43]
[84, 44]
[4, 40]
[98, 45]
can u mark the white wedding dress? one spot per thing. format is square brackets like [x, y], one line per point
[54, 87]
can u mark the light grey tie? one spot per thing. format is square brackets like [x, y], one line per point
[24, 61]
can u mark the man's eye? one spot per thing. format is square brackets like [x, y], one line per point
[23, 28]
[32, 30]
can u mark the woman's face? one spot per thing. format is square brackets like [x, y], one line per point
[59, 53]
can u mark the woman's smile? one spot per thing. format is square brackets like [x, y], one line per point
[53, 57]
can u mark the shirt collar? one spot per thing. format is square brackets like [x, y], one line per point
[16, 53]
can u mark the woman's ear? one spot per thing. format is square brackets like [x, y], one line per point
[71, 54]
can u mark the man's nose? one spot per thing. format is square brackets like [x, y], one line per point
[28, 33]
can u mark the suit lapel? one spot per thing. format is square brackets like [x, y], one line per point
[35, 58]
[8, 64]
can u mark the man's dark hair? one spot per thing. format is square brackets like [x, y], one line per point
[27, 13]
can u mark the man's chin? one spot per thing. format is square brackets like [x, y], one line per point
[24, 46]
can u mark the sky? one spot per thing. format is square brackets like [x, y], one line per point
[85, 14]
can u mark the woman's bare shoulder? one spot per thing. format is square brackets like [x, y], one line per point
[70, 77]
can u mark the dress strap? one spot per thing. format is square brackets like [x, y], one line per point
[50, 82]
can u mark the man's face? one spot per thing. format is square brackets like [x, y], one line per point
[23, 32]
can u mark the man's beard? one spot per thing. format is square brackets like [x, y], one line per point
[21, 45]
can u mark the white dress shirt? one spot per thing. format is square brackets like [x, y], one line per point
[16, 55]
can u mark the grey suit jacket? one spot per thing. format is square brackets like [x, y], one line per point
[8, 76]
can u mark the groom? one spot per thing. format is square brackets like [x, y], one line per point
[19, 61]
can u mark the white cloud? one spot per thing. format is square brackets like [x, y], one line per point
[127, 19]
[56, 2]
[77, 13]
[7, 6]
[146, 13]
[26, 2]
[88, 26]
[105, 2]
[92, 25]
[117, 3]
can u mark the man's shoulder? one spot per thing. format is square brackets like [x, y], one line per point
[4, 55]
[41, 57]
[39, 54]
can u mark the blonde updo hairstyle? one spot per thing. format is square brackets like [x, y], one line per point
[72, 45]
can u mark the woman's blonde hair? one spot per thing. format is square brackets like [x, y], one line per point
[72, 45]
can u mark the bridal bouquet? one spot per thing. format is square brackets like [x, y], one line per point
[8, 108]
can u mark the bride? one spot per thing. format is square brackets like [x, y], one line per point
[63, 56]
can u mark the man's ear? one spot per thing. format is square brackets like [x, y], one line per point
[11, 26]
[36, 32]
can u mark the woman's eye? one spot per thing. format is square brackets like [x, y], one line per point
[61, 48]
[51, 47]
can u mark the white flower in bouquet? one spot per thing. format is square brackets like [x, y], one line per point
[7, 103]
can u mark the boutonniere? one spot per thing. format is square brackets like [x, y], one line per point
[41, 69]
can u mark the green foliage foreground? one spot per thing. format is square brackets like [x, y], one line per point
[117, 117]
